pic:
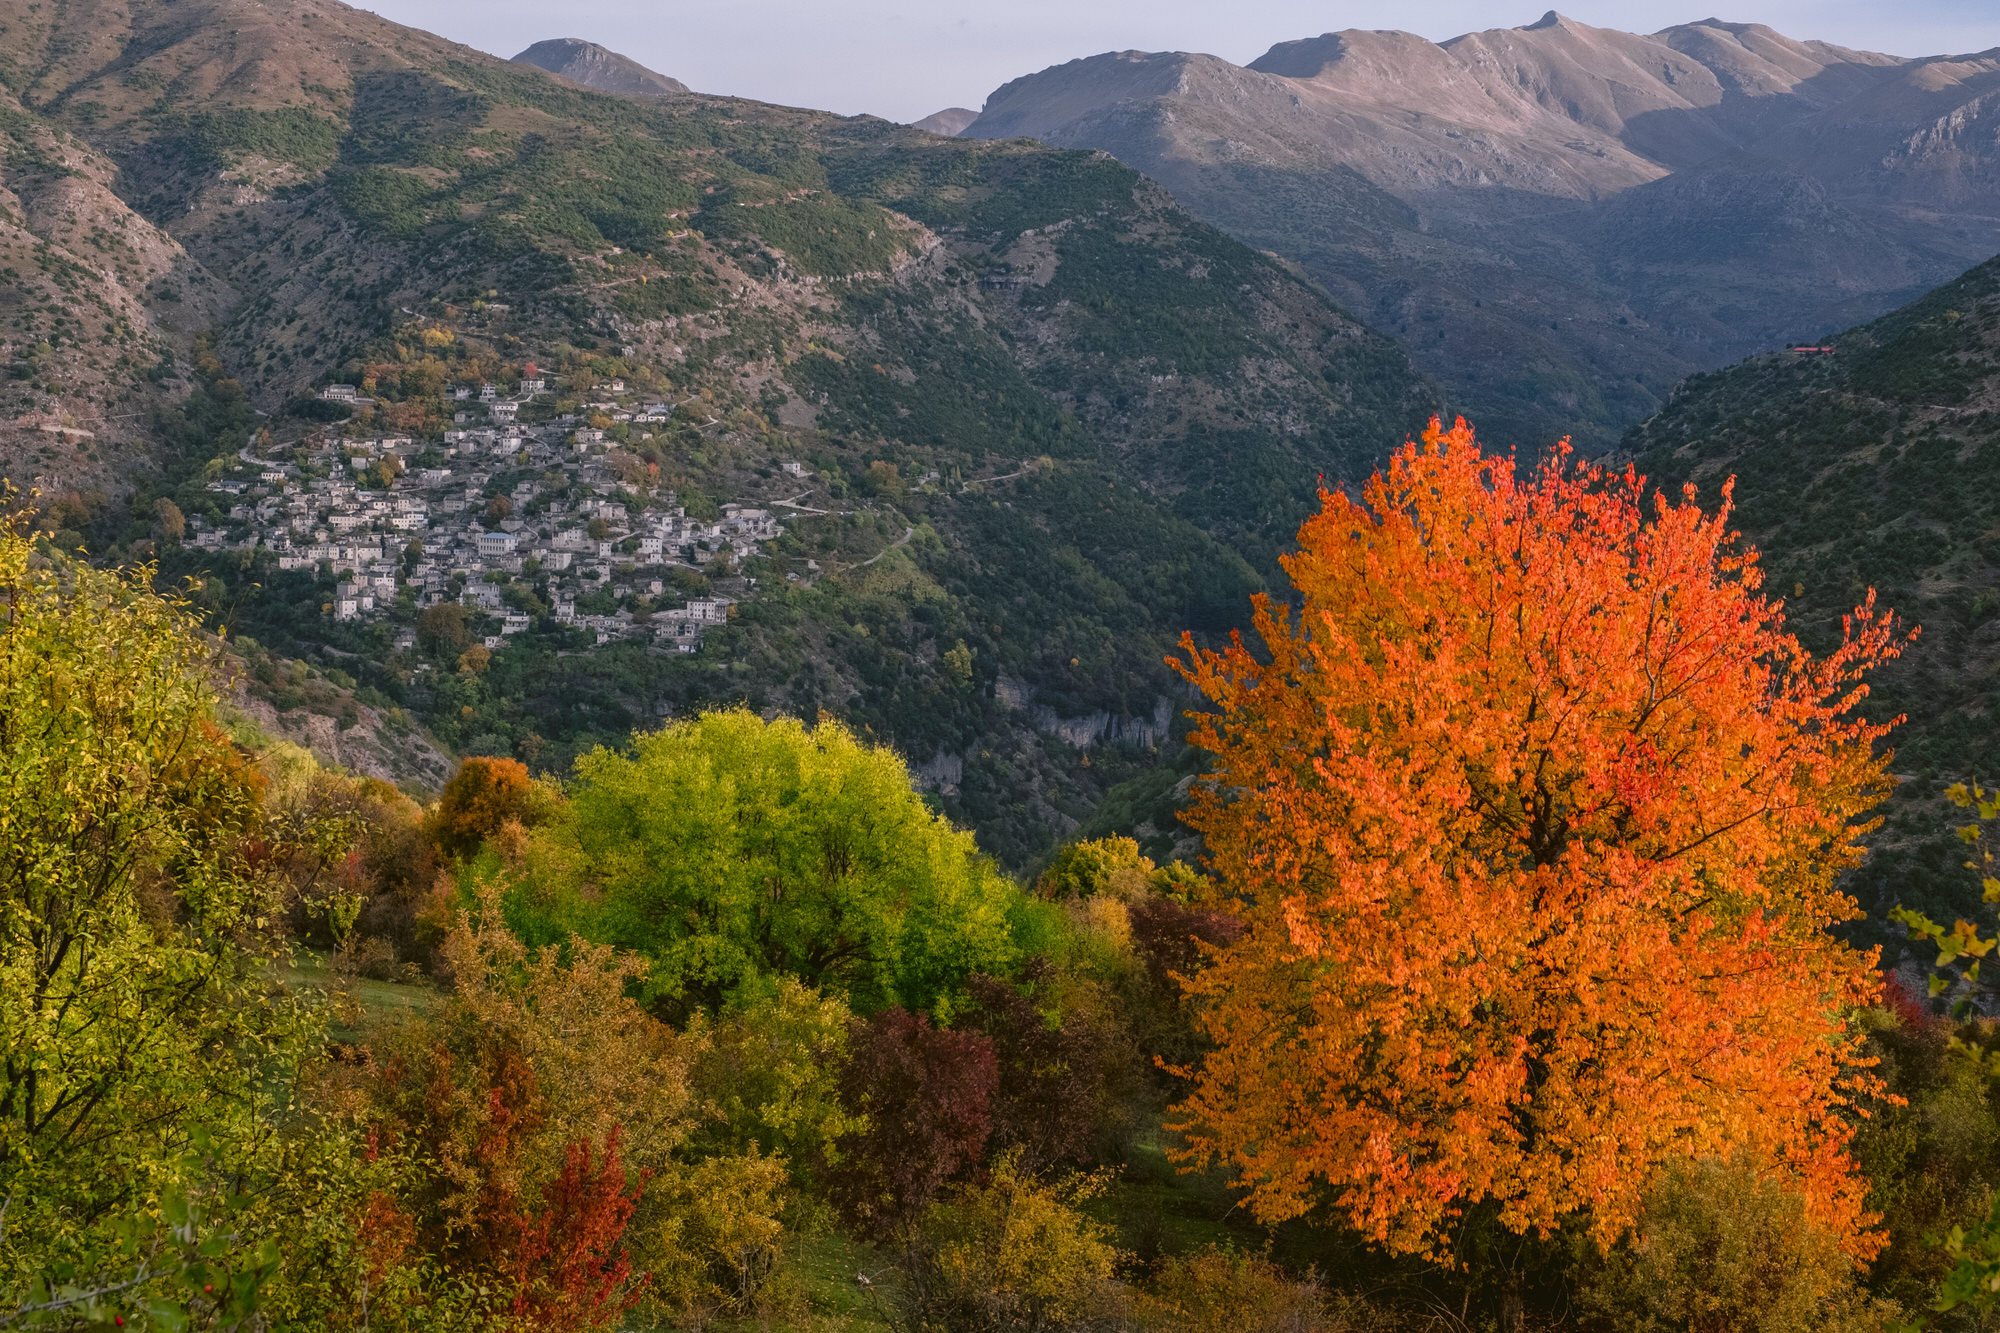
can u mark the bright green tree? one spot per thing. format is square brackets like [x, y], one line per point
[732, 852]
[144, 1054]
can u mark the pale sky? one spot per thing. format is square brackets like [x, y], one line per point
[907, 58]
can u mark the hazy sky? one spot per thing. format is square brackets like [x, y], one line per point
[906, 58]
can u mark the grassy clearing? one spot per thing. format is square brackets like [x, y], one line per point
[371, 999]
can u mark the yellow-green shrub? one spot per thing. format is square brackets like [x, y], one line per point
[1224, 1290]
[1014, 1253]
[1724, 1247]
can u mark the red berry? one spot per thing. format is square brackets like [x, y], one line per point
[206, 1287]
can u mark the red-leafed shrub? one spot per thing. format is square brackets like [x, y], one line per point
[1910, 1011]
[569, 1268]
[1055, 1100]
[1169, 936]
[928, 1095]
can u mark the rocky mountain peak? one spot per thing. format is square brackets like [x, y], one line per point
[597, 67]
[1302, 59]
[950, 122]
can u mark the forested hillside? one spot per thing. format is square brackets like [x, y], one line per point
[1049, 419]
[648, 713]
[725, 1028]
[1872, 463]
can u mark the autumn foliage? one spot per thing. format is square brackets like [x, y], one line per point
[481, 797]
[569, 1269]
[1055, 1081]
[927, 1093]
[1532, 810]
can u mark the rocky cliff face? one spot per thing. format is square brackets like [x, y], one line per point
[1560, 221]
[597, 67]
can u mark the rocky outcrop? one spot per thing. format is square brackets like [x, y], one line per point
[368, 741]
[941, 773]
[1088, 730]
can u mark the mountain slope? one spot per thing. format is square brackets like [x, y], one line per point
[1876, 465]
[597, 67]
[94, 301]
[1047, 420]
[1561, 221]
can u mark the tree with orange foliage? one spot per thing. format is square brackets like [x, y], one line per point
[1533, 815]
[480, 798]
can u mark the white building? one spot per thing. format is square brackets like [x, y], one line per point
[707, 610]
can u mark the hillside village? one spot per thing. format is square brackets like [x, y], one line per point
[408, 524]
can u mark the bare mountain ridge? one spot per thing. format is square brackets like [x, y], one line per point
[950, 122]
[597, 67]
[1561, 221]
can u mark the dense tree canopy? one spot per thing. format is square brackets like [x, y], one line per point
[732, 852]
[1528, 825]
[1533, 813]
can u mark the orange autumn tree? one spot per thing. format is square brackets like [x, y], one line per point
[1533, 816]
[480, 798]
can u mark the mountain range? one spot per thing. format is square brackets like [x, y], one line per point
[1560, 221]
[1048, 416]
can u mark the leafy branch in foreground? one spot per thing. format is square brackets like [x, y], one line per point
[135, 1000]
[182, 1269]
[1961, 948]
[1974, 1280]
